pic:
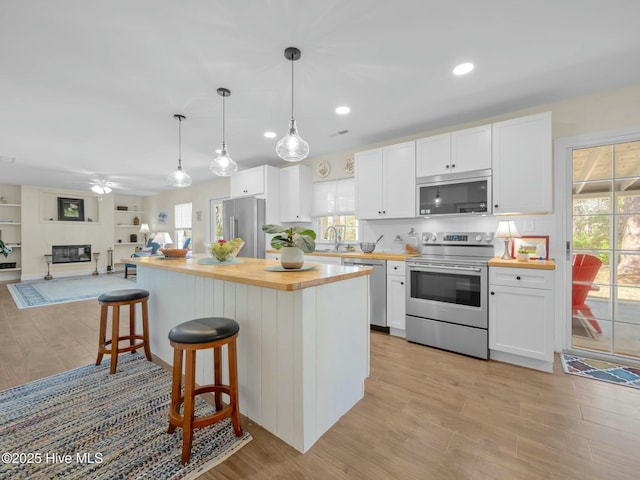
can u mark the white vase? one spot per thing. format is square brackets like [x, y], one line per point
[291, 257]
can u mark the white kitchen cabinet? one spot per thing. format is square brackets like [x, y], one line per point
[385, 182]
[454, 152]
[521, 316]
[295, 194]
[254, 182]
[396, 298]
[522, 165]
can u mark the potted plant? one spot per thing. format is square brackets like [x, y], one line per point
[293, 243]
[522, 255]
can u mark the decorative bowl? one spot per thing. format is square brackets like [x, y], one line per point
[367, 247]
[174, 252]
[224, 250]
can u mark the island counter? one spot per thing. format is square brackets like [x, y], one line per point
[303, 347]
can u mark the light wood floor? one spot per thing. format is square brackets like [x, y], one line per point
[426, 414]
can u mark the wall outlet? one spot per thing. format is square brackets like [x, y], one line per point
[530, 225]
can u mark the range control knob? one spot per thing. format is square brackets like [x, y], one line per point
[478, 238]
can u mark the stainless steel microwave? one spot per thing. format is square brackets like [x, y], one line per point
[464, 193]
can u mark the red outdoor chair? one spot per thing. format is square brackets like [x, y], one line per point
[585, 269]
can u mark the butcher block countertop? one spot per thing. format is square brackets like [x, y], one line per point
[537, 264]
[358, 254]
[251, 272]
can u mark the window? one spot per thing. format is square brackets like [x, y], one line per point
[183, 224]
[346, 225]
[334, 206]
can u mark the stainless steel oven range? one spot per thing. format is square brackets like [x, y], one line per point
[447, 298]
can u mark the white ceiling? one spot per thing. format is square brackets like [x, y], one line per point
[88, 88]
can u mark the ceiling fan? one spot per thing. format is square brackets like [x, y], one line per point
[103, 186]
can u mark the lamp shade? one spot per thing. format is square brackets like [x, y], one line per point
[162, 238]
[507, 229]
[144, 228]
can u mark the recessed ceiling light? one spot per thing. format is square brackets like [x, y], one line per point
[463, 69]
[270, 134]
[343, 110]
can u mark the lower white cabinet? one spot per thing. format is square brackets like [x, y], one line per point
[396, 298]
[521, 316]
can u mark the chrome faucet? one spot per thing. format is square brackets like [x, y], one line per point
[336, 237]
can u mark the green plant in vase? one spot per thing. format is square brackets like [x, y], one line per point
[291, 237]
[292, 242]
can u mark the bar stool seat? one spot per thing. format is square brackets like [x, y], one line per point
[115, 299]
[189, 337]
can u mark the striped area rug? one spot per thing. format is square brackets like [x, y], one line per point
[64, 290]
[87, 424]
[601, 370]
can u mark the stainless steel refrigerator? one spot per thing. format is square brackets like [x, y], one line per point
[244, 217]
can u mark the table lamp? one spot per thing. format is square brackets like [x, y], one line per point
[145, 230]
[162, 238]
[507, 230]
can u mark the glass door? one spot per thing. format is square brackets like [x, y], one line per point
[606, 249]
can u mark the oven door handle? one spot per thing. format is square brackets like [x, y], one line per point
[425, 268]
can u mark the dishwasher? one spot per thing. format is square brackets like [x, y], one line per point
[377, 290]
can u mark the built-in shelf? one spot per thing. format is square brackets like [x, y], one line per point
[17, 269]
[127, 226]
[10, 223]
[129, 211]
[10, 205]
[128, 243]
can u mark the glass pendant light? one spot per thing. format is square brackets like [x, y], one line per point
[179, 178]
[291, 147]
[223, 164]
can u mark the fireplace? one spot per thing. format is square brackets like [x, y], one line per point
[70, 253]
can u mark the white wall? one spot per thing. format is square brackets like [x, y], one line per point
[39, 232]
[199, 196]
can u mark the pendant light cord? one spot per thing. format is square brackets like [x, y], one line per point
[292, 85]
[223, 117]
[179, 141]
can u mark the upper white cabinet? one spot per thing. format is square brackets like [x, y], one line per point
[386, 182]
[253, 181]
[460, 151]
[295, 194]
[522, 165]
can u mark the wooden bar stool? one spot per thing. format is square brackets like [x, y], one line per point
[189, 337]
[115, 299]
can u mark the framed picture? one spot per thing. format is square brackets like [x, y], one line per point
[530, 245]
[71, 209]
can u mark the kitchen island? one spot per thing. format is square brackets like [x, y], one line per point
[303, 347]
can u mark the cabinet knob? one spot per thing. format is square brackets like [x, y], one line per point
[453, 165]
[401, 283]
[395, 268]
[518, 278]
[493, 293]
[384, 211]
[379, 212]
[446, 166]
[495, 206]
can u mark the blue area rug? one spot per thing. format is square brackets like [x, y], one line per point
[47, 292]
[601, 370]
[87, 424]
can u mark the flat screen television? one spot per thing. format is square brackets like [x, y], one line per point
[70, 253]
